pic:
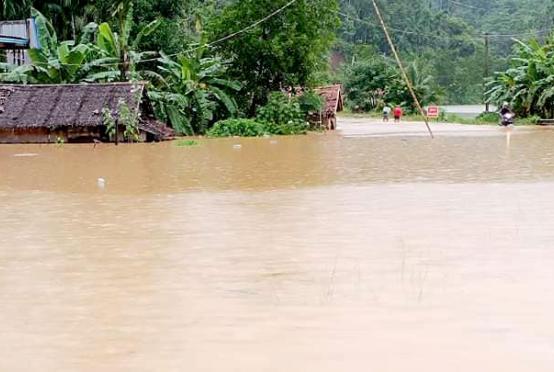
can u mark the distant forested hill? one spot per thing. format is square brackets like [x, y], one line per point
[446, 36]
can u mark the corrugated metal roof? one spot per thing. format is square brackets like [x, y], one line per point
[19, 34]
[14, 29]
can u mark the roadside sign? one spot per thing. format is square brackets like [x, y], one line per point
[433, 112]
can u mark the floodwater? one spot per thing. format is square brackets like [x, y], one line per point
[349, 251]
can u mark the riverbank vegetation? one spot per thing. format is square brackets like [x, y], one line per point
[211, 61]
[528, 84]
[444, 39]
[233, 59]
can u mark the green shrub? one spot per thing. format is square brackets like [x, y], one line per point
[310, 102]
[488, 117]
[237, 127]
[530, 120]
[283, 116]
[186, 143]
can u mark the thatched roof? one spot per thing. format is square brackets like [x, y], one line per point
[54, 106]
[332, 96]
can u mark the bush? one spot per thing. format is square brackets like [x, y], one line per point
[488, 117]
[310, 103]
[237, 127]
[282, 116]
[530, 120]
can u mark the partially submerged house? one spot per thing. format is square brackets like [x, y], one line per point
[332, 104]
[73, 113]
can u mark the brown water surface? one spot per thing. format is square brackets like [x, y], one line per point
[372, 249]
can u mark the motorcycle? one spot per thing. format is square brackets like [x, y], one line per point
[507, 119]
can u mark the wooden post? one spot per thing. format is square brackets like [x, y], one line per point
[117, 132]
[402, 70]
[487, 70]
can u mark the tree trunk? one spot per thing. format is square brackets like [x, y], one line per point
[73, 27]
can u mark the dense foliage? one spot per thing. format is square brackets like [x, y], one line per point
[445, 37]
[284, 51]
[372, 83]
[194, 92]
[238, 128]
[528, 85]
[211, 60]
[283, 115]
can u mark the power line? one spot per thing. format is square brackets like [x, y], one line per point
[290, 3]
[232, 35]
[401, 66]
[218, 41]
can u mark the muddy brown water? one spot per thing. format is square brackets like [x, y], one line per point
[353, 251]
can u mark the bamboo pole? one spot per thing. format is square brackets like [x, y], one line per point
[402, 69]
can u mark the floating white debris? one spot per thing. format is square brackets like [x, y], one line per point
[25, 155]
[274, 142]
[237, 147]
[101, 183]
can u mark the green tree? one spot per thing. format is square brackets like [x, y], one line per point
[67, 16]
[118, 57]
[14, 9]
[285, 50]
[171, 34]
[371, 83]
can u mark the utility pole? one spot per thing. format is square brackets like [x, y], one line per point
[402, 69]
[487, 70]
[117, 130]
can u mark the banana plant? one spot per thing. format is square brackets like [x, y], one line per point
[55, 63]
[193, 92]
[118, 53]
[528, 85]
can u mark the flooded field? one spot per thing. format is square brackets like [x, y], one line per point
[371, 249]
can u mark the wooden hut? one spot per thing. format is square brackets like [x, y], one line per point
[332, 104]
[72, 113]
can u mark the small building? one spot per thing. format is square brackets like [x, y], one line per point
[73, 113]
[332, 104]
[16, 38]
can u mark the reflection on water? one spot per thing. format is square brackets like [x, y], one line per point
[314, 253]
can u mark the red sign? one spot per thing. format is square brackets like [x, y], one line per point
[433, 111]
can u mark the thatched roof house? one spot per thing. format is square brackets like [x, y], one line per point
[333, 103]
[72, 113]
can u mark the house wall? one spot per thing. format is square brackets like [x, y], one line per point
[30, 135]
[67, 135]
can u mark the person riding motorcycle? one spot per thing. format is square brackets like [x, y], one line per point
[506, 115]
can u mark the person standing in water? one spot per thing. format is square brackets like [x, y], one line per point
[398, 114]
[386, 113]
